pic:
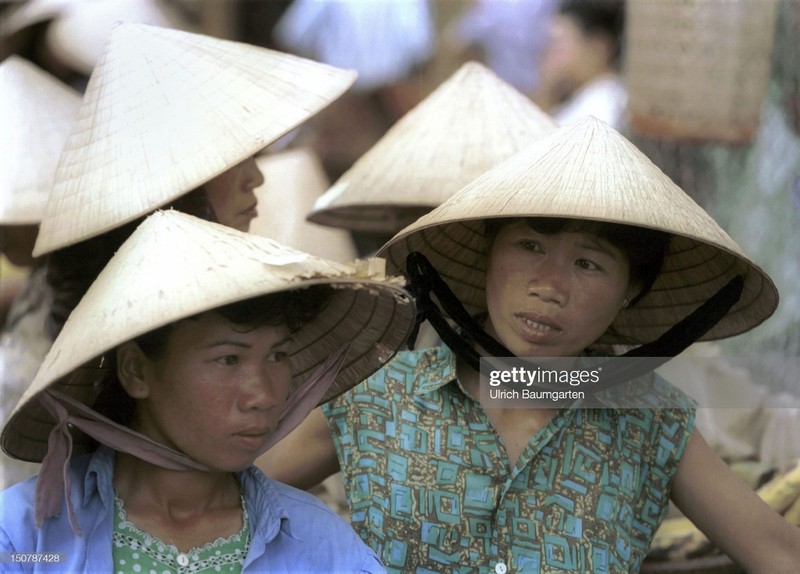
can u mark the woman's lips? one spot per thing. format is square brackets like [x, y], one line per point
[251, 211]
[536, 329]
[252, 440]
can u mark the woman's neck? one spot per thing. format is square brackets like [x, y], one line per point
[185, 508]
[145, 487]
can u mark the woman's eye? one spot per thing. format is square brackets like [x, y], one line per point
[278, 357]
[228, 360]
[587, 264]
[530, 245]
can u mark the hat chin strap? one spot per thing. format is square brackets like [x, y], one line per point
[424, 279]
[53, 483]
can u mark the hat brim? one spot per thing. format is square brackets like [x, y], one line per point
[672, 297]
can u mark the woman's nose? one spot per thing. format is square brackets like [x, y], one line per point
[259, 392]
[252, 176]
[550, 282]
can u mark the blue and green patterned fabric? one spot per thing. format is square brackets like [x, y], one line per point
[431, 489]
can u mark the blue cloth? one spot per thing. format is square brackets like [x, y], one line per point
[291, 531]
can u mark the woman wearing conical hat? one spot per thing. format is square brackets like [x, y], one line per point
[573, 248]
[196, 348]
[471, 122]
[170, 118]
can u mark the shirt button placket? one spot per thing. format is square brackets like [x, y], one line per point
[500, 568]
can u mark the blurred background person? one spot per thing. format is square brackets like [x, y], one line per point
[388, 43]
[581, 65]
[508, 36]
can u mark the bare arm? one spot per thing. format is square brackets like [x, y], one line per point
[733, 517]
[305, 457]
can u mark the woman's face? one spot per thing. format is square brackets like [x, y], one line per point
[572, 57]
[216, 392]
[231, 194]
[553, 295]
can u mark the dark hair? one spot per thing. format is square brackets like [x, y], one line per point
[644, 248]
[72, 269]
[291, 308]
[598, 17]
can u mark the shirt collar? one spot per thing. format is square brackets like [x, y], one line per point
[262, 500]
[98, 477]
[437, 364]
[264, 505]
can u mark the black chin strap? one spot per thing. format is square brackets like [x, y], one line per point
[425, 280]
[676, 340]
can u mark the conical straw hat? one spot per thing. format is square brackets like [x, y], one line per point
[37, 112]
[293, 180]
[175, 266]
[164, 112]
[79, 35]
[589, 171]
[471, 122]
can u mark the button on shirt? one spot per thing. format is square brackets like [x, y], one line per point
[431, 488]
[291, 531]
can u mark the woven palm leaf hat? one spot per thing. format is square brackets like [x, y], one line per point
[175, 266]
[471, 122]
[589, 171]
[37, 112]
[164, 112]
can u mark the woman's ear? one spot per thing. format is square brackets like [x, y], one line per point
[132, 370]
[633, 291]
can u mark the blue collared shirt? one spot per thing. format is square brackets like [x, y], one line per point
[291, 531]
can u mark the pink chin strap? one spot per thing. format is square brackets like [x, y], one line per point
[53, 483]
